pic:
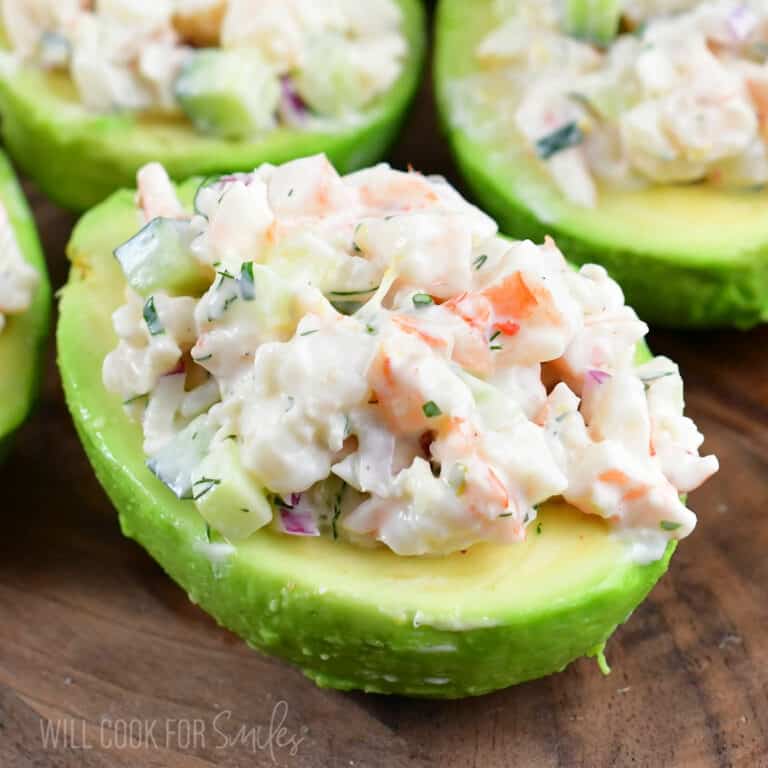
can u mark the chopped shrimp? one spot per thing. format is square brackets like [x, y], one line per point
[409, 325]
[156, 196]
[400, 191]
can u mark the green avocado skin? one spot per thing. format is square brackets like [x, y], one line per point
[665, 289]
[23, 340]
[335, 639]
[78, 158]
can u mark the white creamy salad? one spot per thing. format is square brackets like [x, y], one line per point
[234, 67]
[679, 94]
[365, 357]
[18, 280]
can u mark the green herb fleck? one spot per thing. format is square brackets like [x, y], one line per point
[309, 333]
[648, 380]
[135, 399]
[538, 528]
[246, 282]
[355, 293]
[568, 135]
[431, 409]
[208, 532]
[668, 525]
[203, 359]
[370, 329]
[207, 483]
[479, 261]
[422, 300]
[151, 318]
[290, 192]
[506, 514]
[495, 336]
[337, 510]
[496, 347]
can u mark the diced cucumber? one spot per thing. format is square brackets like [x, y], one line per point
[230, 499]
[231, 94]
[159, 258]
[594, 20]
[177, 464]
[256, 298]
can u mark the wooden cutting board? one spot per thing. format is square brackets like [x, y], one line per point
[104, 662]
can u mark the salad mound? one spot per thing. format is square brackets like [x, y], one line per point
[90, 92]
[365, 358]
[661, 93]
[631, 132]
[233, 68]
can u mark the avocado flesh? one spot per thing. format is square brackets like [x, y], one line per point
[349, 617]
[78, 158]
[684, 255]
[23, 338]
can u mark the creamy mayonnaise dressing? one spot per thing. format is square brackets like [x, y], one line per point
[681, 96]
[324, 58]
[389, 369]
[18, 279]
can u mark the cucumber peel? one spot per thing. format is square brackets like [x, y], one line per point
[596, 21]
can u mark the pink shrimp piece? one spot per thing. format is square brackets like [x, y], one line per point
[481, 489]
[471, 350]
[513, 299]
[156, 195]
[401, 404]
[402, 192]
[407, 325]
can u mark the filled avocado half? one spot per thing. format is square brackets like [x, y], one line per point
[24, 328]
[684, 230]
[80, 122]
[492, 590]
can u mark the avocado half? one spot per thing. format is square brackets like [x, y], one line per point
[349, 617]
[684, 255]
[22, 341]
[78, 158]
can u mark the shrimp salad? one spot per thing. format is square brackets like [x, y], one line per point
[679, 94]
[364, 357]
[234, 67]
[18, 280]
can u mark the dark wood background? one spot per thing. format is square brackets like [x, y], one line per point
[94, 638]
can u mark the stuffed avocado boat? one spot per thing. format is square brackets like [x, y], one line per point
[24, 306]
[367, 433]
[91, 91]
[635, 133]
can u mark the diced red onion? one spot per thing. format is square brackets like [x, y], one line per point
[293, 109]
[742, 22]
[298, 520]
[596, 376]
[593, 379]
[223, 182]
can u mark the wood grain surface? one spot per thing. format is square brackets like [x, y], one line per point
[99, 648]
